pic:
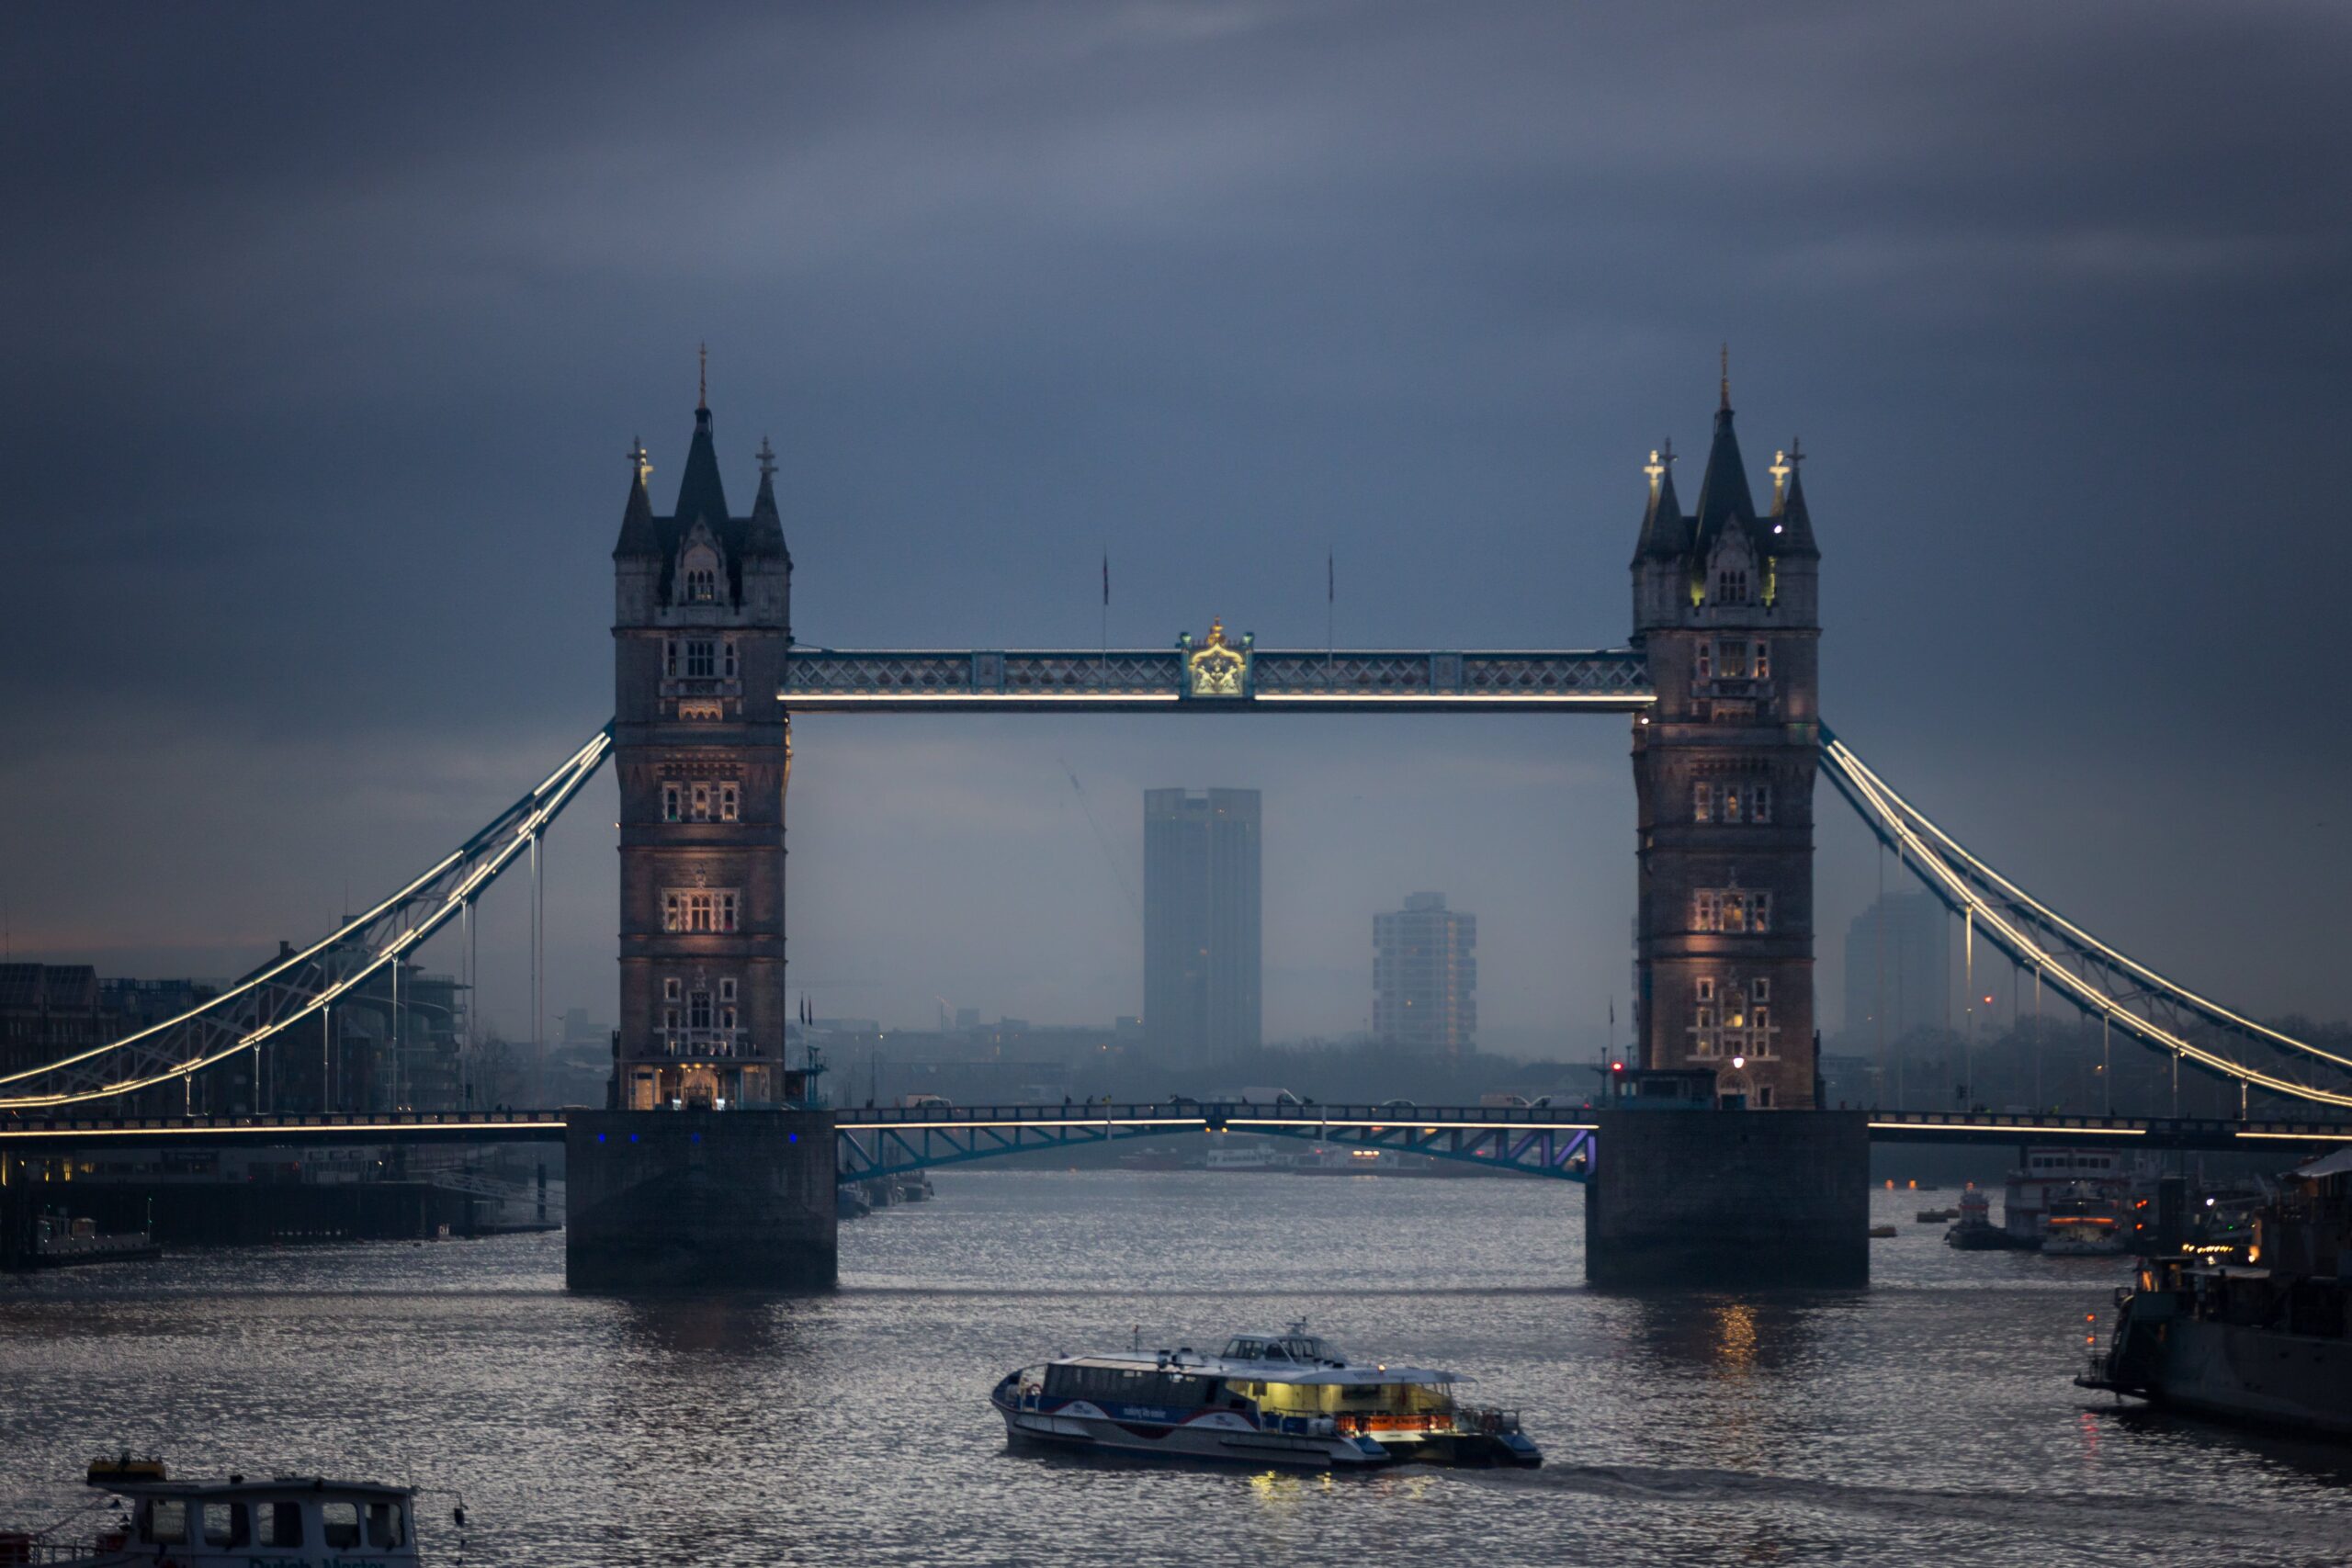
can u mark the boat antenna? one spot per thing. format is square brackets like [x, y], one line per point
[1135, 1344]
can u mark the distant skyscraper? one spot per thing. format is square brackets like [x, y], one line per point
[1424, 980]
[1901, 964]
[1201, 956]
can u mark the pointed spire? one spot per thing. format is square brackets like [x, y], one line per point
[765, 535]
[700, 493]
[702, 380]
[1792, 522]
[637, 537]
[1665, 531]
[1724, 406]
[1723, 497]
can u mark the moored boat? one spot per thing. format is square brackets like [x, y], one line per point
[1283, 1399]
[288, 1522]
[2258, 1333]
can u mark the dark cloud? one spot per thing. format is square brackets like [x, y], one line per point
[328, 329]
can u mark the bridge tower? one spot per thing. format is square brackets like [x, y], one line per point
[702, 618]
[1726, 609]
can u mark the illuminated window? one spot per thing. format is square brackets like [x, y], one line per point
[1702, 802]
[701, 575]
[698, 803]
[1763, 661]
[1731, 659]
[730, 801]
[1732, 803]
[1730, 909]
[705, 712]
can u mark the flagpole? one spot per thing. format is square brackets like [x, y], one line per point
[1106, 609]
[1330, 602]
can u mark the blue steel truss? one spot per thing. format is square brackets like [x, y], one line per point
[824, 680]
[1527, 1140]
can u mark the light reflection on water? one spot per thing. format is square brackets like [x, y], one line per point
[1929, 1418]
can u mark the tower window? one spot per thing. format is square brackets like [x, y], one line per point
[730, 803]
[1730, 909]
[1762, 657]
[726, 989]
[1731, 586]
[672, 805]
[727, 658]
[1760, 990]
[670, 988]
[698, 1009]
[1732, 803]
[1731, 658]
[702, 659]
[1706, 660]
[699, 579]
[694, 910]
[1759, 803]
[1702, 802]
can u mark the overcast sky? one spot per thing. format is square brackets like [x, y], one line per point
[327, 329]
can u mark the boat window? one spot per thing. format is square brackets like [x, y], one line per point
[339, 1523]
[1126, 1385]
[167, 1522]
[384, 1524]
[1245, 1349]
[277, 1524]
[224, 1524]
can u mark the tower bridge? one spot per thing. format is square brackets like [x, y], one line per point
[702, 1162]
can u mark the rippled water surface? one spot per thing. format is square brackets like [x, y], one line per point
[1929, 1419]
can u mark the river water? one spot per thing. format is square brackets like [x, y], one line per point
[1929, 1419]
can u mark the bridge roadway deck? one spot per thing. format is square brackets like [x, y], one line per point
[1358, 1123]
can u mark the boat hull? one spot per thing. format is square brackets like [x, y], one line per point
[1230, 1437]
[2231, 1372]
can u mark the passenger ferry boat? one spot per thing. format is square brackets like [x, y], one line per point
[1286, 1399]
[288, 1522]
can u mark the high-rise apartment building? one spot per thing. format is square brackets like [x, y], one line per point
[1424, 978]
[1202, 951]
[1898, 970]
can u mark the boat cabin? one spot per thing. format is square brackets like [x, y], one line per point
[1302, 1347]
[296, 1521]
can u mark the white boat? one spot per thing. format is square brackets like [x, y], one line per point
[288, 1522]
[1250, 1157]
[1285, 1399]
